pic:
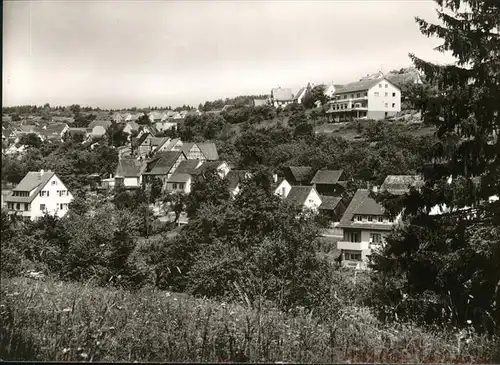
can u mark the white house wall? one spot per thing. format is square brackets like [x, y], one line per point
[313, 201]
[53, 201]
[377, 103]
[283, 189]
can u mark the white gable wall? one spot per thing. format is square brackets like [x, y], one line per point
[53, 201]
[313, 201]
[377, 103]
[283, 189]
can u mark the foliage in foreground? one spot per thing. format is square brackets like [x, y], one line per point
[446, 268]
[49, 320]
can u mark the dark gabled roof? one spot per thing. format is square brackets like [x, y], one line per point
[140, 140]
[235, 177]
[327, 176]
[186, 147]
[159, 141]
[33, 180]
[129, 167]
[56, 127]
[400, 184]
[301, 174]
[360, 85]
[298, 194]
[162, 163]
[329, 202]
[363, 204]
[209, 150]
[187, 167]
[178, 177]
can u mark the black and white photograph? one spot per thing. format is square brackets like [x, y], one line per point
[238, 181]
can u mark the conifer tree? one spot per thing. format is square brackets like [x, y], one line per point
[446, 267]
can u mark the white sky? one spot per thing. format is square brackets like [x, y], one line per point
[116, 54]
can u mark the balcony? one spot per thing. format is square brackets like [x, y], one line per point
[354, 246]
[19, 213]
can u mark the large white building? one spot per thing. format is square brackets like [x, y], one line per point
[368, 99]
[365, 225]
[39, 192]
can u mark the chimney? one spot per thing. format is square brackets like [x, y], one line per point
[42, 172]
[375, 189]
[275, 177]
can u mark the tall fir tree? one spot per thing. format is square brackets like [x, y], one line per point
[445, 267]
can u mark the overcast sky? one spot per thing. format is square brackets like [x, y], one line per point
[116, 54]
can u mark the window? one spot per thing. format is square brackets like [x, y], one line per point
[26, 206]
[366, 93]
[358, 95]
[54, 182]
[181, 186]
[393, 105]
[376, 237]
[370, 218]
[10, 205]
[352, 236]
[393, 95]
[379, 85]
[380, 219]
[359, 218]
[352, 256]
[386, 86]
[42, 207]
[376, 94]
[174, 186]
[18, 206]
[386, 94]
[352, 96]
[386, 105]
[283, 191]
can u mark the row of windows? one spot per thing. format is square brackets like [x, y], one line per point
[376, 93]
[179, 186]
[385, 85]
[62, 193]
[346, 106]
[349, 256]
[26, 206]
[358, 95]
[372, 218]
[62, 206]
[44, 193]
[21, 193]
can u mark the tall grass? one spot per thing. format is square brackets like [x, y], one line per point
[50, 320]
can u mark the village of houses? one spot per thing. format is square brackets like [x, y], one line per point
[358, 224]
